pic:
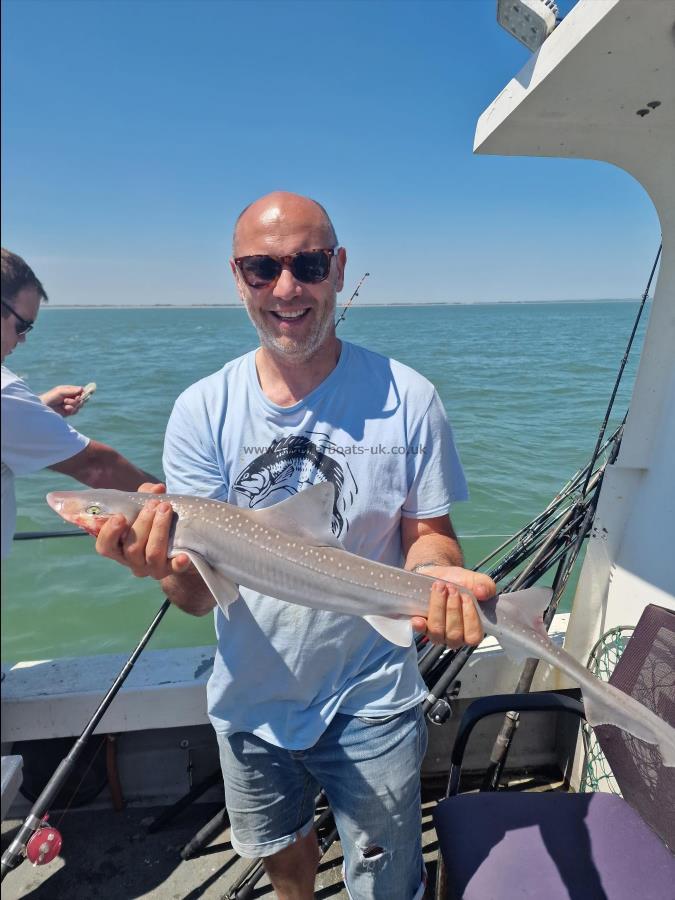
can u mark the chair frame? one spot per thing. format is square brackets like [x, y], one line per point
[542, 701]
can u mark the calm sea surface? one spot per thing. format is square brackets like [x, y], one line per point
[525, 386]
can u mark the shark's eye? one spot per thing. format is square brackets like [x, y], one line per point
[93, 510]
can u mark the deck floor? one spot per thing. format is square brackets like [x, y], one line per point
[110, 856]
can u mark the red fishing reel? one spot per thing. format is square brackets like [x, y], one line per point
[44, 845]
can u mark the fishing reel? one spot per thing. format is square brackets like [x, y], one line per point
[442, 709]
[44, 845]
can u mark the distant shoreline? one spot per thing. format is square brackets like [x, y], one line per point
[340, 306]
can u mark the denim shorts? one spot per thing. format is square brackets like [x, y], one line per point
[369, 769]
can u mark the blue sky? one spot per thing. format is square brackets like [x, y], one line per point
[134, 131]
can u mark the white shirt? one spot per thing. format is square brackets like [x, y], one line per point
[33, 437]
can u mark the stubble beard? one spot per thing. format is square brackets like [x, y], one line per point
[290, 349]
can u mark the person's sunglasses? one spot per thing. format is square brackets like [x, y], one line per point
[23, 326]
[307, 266]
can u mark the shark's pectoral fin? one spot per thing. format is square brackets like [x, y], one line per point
[223, 589]
[398, 631]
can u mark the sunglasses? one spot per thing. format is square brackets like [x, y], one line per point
[23, 326]
[307, 266]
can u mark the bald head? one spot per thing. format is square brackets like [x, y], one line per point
[280, 219]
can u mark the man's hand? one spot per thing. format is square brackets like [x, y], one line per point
[65, 399]
[452, 618]
[143, 546]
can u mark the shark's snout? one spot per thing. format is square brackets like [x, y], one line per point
[55, 500]
[68, 505]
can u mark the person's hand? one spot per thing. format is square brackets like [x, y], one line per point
[64, 399]
[452, 619]
[151, 487]
[143, 546]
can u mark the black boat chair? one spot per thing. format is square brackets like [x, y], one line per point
[598, 846]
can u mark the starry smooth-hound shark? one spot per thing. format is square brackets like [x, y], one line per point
[288, 551]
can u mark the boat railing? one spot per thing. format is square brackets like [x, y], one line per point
[39, 535]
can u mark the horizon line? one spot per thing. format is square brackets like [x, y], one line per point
[342, 306]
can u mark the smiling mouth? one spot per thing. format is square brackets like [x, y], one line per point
[290, 316]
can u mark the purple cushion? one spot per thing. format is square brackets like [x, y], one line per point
[551, 846]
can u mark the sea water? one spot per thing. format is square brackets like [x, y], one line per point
[525, 387]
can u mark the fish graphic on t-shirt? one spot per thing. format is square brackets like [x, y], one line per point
[287, 465]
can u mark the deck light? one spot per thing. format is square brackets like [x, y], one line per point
[530, 21]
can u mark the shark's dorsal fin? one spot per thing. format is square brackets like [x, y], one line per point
[307, 515]
[398, 631]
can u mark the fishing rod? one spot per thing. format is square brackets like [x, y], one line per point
[537, 535]
[435, 704]
[36, 840]
[428, 658]
[565, 492]
[428, 664]
[504, 739]
[351, 299]
[545, 547]
[622, 365]
[40, 535]
[554, 544]
[553, 548]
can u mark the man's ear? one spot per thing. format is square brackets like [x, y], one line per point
[341, 263]
[237, 278]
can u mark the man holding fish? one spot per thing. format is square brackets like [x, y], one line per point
[303, 698]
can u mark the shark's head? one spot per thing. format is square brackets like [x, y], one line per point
[91, 509]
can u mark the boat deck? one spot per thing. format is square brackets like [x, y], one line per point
[110, 856]
[161, 751]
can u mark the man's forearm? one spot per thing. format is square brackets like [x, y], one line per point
[188, 592]
[434, 550]
[100, 466]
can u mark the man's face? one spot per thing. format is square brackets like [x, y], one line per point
[293, 320]
[27, 305]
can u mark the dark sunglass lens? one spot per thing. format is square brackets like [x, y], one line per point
[259, 270]
[311, 266]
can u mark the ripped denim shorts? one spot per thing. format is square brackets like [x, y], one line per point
[370, 771]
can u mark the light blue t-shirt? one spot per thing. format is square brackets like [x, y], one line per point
[377, 431]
